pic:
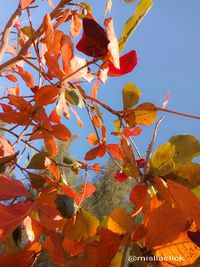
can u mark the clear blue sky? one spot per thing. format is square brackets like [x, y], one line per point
[168, 44]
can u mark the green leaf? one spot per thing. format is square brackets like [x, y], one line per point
[131, 95]
[65, 205]
[74, 97]
[38, 162]
[162, 160]
[131, 24]
[187, 147]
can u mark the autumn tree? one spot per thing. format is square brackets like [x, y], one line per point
[49, 74]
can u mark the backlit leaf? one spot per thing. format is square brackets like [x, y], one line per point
[6, 151]
[131, 95]
[61, 132]
[85, 226]
[86, 191]
[92, 139]
[46, 95]
[11, 188]
[139, 196]
[141, 10]
[127, 63]
[162, 160]
[113, 47]
[187, 147]
[25, 3]
[67, 49]
[23, 258]
[12, 216]
[76, 26]
[94, 41]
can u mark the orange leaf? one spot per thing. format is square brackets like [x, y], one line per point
[44, 120]
[21, 104]
[86, 191]
[97, 121]
[25, 3]
[6, 151]
[23, 258]
[11, 77]
[61, 132]
[92, 139]
[11, 188]
[96, 167]
[19, 118]
[115, 151]
[186, 200]
[54, 117]
[95, 89]
[72, 247]
[67, 49]
[12, 216]
[46, 95]
[54, 170]
[27, 77]
[48, 31]
[76, 26]
[50, 144]
[53, 245]
[139, 196]
[113, 47]
[54, 67]
[93, 153]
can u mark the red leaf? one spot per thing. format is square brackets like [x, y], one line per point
[98, 151]
[21, 104]
[46, 95]
[94, 41]
[115, 151]
[25, 3]
[140, 162]
[15, 117]
[54, 117]
[61, 132]
[6, 108]
[86, 192]
[11, 188]
[128, 132]
[12, 216]
[127, 64]
[121, 177]
[23, 258]
[96, 167]
[69, 191]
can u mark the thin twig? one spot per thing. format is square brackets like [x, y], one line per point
[150, 149]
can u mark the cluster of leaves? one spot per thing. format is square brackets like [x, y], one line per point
[165, 221]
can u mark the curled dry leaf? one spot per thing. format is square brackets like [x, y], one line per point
[76, 26]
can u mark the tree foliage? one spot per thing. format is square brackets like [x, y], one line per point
[59, 222]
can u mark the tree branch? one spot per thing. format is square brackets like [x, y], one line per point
[38, 33]
[6, 32]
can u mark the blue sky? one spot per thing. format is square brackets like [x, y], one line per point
[167, 42]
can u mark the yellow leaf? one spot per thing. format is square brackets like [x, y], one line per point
[85, 226]
[28, 31]
[162, 160]
[144, 114]
[120, 222]
[187, 147]
[116, 262]
[131, 24]
[131, 95]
